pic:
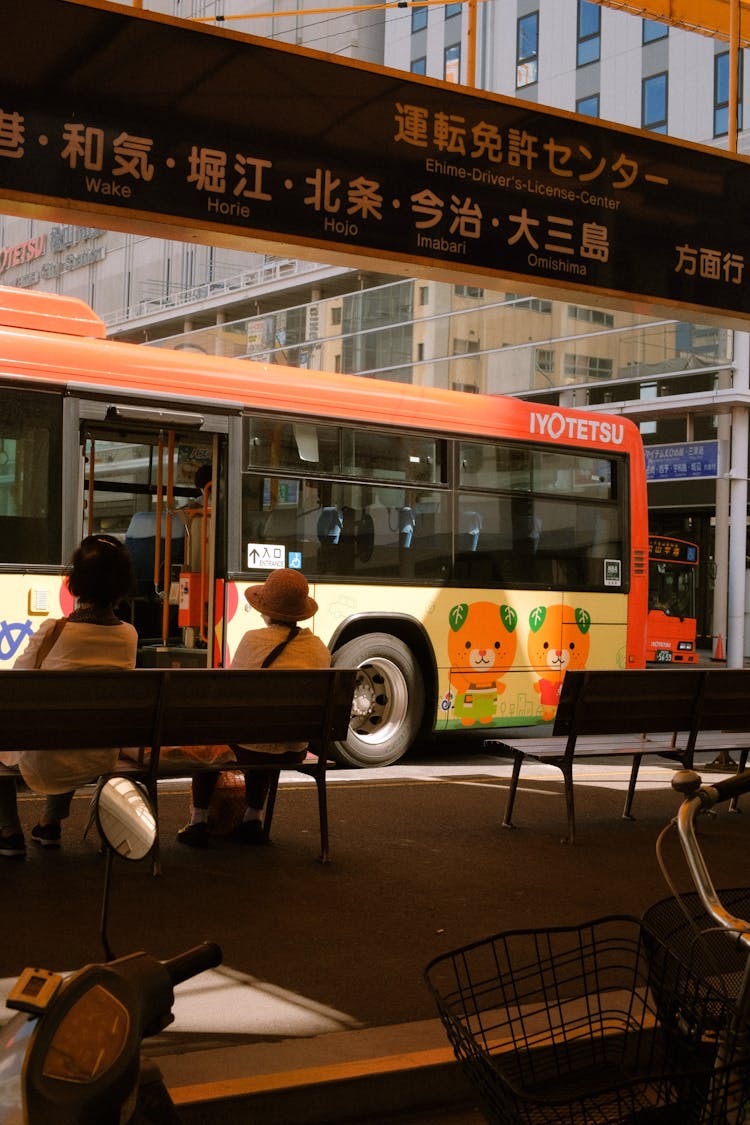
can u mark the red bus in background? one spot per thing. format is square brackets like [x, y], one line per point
[672, 580]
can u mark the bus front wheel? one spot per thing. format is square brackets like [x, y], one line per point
[388, 700]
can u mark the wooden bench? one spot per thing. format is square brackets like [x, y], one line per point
[151, 708]
[672, 713]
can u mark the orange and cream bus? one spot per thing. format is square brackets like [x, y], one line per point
[464, 550]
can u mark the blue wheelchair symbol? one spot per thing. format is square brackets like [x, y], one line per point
[295, 560]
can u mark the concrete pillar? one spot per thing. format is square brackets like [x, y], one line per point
[738, 507]
[721, 529]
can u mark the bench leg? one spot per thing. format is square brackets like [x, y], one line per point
[152, 789]
[270, 804]
[320, 781]
[567, 771]
[734, 804]
[631, 787]
[517, 763]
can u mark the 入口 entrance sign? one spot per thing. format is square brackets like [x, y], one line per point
[134, 121]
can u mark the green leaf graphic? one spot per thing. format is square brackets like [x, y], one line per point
[583, 620]
[457, 616]
[509, 617]
[536, 618]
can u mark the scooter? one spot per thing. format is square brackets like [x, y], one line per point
[72, 1053]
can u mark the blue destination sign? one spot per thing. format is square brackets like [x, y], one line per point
[685, 460]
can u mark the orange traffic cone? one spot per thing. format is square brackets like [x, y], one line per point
[719, 650]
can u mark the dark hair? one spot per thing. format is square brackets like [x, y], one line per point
[202, 476]
[101, 571]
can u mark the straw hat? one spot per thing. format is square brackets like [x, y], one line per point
[283, 596]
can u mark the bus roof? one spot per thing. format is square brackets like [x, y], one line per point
[44, 337]
[49, 312]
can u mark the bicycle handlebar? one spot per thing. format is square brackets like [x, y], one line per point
[193, 961]
[730, 787]
[697, 798]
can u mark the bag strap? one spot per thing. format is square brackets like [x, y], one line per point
[280, 647]
[50, 641]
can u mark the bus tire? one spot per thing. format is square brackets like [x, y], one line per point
[388, 700]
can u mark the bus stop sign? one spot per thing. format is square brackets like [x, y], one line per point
[135, 121]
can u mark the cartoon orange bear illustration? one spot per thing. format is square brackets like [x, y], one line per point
[555, 644]
[481, 647]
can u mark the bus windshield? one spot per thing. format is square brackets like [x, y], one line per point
[672, 577]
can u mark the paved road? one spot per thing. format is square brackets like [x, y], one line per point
[420, 865]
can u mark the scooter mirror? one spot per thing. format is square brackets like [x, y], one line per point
[125, 818]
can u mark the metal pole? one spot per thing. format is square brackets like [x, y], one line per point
[734, 65]
[471, 43]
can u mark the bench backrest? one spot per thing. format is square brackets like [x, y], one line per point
[43, 710]
[608, 701]
[150, 707]
[264, 705]
[726, 700]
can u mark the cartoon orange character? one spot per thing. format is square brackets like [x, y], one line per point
[555, 644]
[481, 647]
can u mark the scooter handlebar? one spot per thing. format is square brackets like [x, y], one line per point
[193, 961]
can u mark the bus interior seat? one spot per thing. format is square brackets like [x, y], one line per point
[330, 523]
[407, 521]
[469, 528]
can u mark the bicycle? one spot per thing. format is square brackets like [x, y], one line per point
[620, 1019]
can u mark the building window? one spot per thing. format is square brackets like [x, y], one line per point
[527, 50]
[530, 304]
[452, 63]
[589, 33]
[452, 10]
[468, 291]
[420, 352]
[654, 103]
[591, 316]
[465, 347]
[589, 106]
[590, 367]
[336, 314]
[419, 66]
[653, 30]
[424, 294]
[721, 93]
[545, 361]
[418, 18]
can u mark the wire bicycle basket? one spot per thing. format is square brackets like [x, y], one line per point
[576, 1025]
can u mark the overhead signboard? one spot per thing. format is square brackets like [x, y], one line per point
[684, 460]
[134, 121]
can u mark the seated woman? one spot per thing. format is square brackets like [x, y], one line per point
[100, 576]
[282, 600]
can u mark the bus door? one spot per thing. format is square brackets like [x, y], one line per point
[156, 488]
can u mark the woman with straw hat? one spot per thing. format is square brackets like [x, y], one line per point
[282, 601]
